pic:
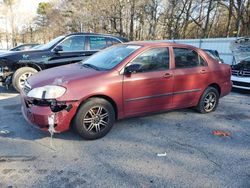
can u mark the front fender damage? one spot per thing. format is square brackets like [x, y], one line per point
[57, 115]
[51, 115]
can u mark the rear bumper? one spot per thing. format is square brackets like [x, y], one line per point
[38, 116]
[226, 88]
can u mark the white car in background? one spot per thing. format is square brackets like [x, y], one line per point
[241, 74]
[3, 51]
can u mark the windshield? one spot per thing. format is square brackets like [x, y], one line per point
[37, 47]
[50, 43]
[110, 57]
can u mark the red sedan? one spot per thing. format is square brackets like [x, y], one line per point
[130, 79]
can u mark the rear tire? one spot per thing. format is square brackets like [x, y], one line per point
[94, 119]
[208, 101]
[20, 76]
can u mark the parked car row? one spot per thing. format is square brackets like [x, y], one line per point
[16, 67]
[124, 80]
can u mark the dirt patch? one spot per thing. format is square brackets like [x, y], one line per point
[238, 116]
[16, 158]
[7, 171]
[12, 107]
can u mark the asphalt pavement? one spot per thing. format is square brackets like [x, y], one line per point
[172, 149]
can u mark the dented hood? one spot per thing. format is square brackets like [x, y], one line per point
[62, 75]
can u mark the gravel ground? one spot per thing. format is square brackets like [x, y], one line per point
[127, 156]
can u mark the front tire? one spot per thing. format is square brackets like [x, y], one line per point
[208, 101]
[20, 76]
[94, 119]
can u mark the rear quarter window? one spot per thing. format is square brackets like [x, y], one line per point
[112, 41]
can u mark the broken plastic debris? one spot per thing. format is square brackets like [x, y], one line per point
[221, 133]
[162, 154]
[4, 132]
[51, 120]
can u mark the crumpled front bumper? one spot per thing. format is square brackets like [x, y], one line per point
[39, 115]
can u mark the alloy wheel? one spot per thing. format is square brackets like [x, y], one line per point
[96, 119]
[23, 78]
[210, 102]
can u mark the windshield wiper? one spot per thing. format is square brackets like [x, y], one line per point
[87, 65]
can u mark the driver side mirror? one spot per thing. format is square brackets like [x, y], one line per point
[58, 48]
[132, 69]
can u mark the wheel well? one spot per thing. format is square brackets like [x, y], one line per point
[38, 68]
[216, 86]
[112, 102]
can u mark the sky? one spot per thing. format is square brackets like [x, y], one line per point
[30, 5]
[25, 10]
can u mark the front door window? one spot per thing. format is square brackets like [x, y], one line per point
[73, 44]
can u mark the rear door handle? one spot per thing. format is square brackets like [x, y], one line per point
[203, 71]
[168, 75]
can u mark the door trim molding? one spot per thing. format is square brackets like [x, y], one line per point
[162, 95]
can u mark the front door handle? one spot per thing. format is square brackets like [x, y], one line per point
[167, 75]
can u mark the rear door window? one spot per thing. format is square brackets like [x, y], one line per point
[187, 58]
[97, 43]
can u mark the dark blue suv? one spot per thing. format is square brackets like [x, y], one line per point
[16, 67]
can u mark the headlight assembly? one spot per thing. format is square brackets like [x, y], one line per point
[47, 92]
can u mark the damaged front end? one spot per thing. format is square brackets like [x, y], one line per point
[55, 106]
[48, 114]
[5, 74]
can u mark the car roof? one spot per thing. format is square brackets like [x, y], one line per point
[160, 43]
[123, 39]
[209, 50]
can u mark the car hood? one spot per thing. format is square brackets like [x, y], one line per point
[6, 53]
[244, 65]
[3, 51]
[11, 53]
[62, 75]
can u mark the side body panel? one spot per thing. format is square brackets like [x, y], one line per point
[147, 92]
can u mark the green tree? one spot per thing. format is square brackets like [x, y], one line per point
[44, 13]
